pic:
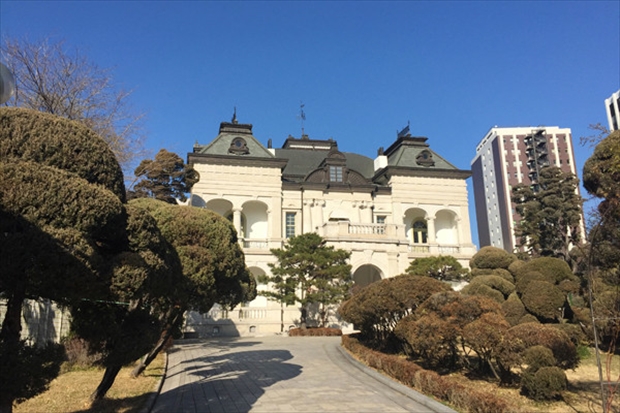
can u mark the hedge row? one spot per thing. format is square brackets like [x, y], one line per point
[463, 397]
[314, 332]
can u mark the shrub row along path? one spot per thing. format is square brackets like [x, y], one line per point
[279, 374]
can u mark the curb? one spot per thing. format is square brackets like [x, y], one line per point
[150, 402]
[396, 386]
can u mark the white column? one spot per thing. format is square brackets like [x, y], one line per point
[237, 222]
[430, 227]
[459, 230]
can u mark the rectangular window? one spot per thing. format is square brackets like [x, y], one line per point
[290, 224]
[335, 173]
[380, 219]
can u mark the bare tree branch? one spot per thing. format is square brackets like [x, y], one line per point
[52, 78]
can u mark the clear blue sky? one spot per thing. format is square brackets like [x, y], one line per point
[362, 69]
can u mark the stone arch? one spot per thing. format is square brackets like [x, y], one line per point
[259, 301]
[446, 229]
[219, 206]
[366, 274]
[416, 227]
[256, 217]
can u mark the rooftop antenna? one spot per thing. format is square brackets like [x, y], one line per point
[234, 118]
[302, 117]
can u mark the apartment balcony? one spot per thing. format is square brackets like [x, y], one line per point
[256, 243]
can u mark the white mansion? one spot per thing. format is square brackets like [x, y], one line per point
[407, 203]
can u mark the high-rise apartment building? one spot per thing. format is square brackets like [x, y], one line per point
[612, 105]
[504, 158]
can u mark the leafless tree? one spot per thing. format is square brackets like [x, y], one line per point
[51, 77]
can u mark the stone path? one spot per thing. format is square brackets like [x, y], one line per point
[279, 374]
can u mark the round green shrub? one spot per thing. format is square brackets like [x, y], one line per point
[491, 257]
[554, 270]
[573, 331]
[46, 139]
[496, 282]
[513, 309]
[513, 268]
[543, 300]
[484, 290]
[528, 318]
[538, 356]
[524, 280]
[546, 384]
[601, 172]
[533, 334]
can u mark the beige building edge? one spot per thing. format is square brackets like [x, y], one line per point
[407, 203]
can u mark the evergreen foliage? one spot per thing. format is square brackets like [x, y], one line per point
[377, 308]
[308, 271]
[442, 268]
[165, 178]
[50, 140]
[550, 214]
[60, 227]
[491, 258]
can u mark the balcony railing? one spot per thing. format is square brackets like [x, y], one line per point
[346, 229]
[451, 249]
[420, 248]
[261, 244]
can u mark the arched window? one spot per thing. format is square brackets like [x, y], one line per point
[420, 232]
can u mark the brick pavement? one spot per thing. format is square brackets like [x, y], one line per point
[279, 374]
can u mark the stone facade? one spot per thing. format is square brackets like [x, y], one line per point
[405, 204]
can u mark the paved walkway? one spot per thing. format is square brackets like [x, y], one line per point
[279, 374]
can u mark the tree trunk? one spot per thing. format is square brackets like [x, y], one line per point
[165, 336]
[10, 335]
[106, 382]
[281, 317]
[303, 317]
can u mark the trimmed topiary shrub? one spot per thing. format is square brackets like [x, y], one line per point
[554, 270]
[538, 356]
[513, 309]
[523, 336]
[496, 282]
[528, 318]
[314, 332]
[491, 257]
[505, 274]
[46, 139]
[376, 309]
[547, 383]
[463, 397]
[483, 290]
[543, 300]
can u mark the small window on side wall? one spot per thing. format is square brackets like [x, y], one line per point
[290, 224]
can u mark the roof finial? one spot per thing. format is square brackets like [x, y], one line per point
[234, 118]
[302, 117]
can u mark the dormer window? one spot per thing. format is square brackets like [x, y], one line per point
[238, 146]
[425, 158]
[335, 173]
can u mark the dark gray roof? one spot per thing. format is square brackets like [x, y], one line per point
[228, 132]
[303, 161]
[407, 152]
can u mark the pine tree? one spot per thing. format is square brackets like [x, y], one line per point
[309, 272]
[550, 214]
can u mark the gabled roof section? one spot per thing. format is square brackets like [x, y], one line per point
[235, 139]
[414, 152]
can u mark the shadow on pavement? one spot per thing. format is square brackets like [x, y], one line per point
[227, 382]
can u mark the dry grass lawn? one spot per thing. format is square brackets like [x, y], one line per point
[70, 391]
[582, 396]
